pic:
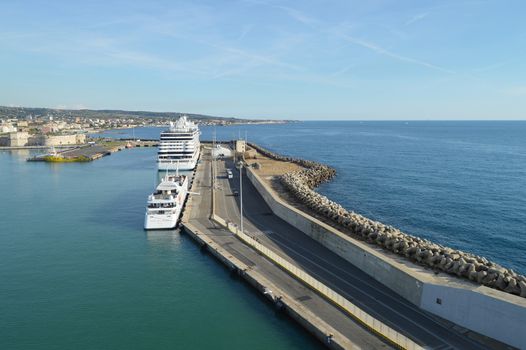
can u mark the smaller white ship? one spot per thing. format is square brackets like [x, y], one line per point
[165, 204]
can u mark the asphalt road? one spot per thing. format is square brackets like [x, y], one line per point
[334, 271]
[86, 151]
[199, 217]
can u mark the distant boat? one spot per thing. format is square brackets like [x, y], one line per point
[179, 146]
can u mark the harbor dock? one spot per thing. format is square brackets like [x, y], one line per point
[303, 304]
[91, 151]
[342, 305]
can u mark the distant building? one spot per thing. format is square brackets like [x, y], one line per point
[240, 146]
[7, 127]
[21, 139]
[18, 139]
[49, 128]
[57, 140]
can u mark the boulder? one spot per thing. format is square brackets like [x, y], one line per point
[481, 275]
[522, 286]
[513, 287]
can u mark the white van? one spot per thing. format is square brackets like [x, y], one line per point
[229, 174]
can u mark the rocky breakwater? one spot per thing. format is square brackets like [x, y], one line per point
[478, 269]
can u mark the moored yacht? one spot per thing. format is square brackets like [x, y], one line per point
[165, 204]
[179, 146]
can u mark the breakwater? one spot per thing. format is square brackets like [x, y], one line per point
[476, 268]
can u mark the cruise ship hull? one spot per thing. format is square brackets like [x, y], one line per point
[186, 165]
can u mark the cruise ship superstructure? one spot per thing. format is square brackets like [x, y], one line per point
[179, 146]
[165, 204]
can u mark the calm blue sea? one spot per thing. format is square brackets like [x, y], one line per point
[77, 270]
[462, 184]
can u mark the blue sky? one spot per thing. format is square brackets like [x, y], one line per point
[304, 59]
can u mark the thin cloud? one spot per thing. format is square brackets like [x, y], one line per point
[244, 32]
[255, 57]
[298, 15]
[343, 70]
[492, 66]
[417, 18]
[380, 50]
[318, 24]
[230, 59]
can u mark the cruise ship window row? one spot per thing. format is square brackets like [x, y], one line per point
[187, 150]
[169, 155]
[182, 145]
[176, 146]
[164, 142]
[178, 138]
[176, 154]
[177, 151]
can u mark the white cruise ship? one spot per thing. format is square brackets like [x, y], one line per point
[165, 204]
[179, 146]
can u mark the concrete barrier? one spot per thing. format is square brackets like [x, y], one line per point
[487, 311]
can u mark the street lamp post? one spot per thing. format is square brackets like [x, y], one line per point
[241, 192]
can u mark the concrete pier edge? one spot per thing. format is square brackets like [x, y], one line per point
[373, 325]
[296, 311]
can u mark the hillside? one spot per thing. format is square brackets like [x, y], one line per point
[23, 112]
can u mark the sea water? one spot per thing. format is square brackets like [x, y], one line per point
[77, 271]
[458, 183]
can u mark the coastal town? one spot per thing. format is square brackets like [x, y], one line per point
[42, 127]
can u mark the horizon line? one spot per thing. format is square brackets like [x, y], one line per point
[262, 118]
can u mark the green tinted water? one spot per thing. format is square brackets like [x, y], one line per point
[78, 272]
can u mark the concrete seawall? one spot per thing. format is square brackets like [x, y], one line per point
[484, 310]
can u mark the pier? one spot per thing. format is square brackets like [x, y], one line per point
[338, 302]
[92, 150]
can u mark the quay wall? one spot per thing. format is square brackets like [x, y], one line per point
[487, 311]
[312, 323]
